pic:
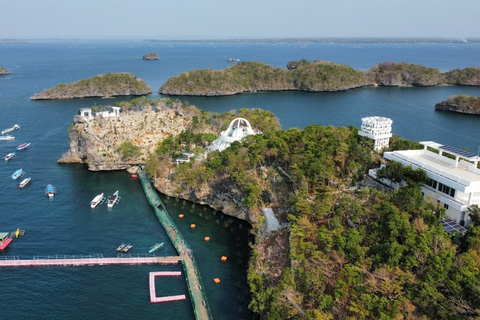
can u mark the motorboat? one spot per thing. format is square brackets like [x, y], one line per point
[121, 247]
[7, 137]
[50, 190]
[15, 127]
[113, 199]
[17, 174]
[23, 146]
[25, 182]
[99, 199]
[156, 246]
[9, 156]
[127, 247]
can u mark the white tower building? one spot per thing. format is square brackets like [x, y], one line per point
[379, 129]
[238, 129]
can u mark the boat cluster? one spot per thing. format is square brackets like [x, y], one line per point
[126, 247]
[100, 199]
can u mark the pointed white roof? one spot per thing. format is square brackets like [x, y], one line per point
[238, 129]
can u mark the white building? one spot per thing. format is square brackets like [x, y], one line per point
[454, 179]
[238, 129]
[87, 113]
[379, 129]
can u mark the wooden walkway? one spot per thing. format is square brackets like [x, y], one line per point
[88, 261]
[194, 282]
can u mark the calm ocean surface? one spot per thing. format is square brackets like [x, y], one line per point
[67, 225]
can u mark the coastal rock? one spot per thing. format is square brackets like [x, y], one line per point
[460, 104]
[101, 86]
[4, 71]
[150, 56]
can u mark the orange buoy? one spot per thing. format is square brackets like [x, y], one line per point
[192, 226]
[224, 258]
[216, 280]
[180, 216]
[134, 176]
[207, 238]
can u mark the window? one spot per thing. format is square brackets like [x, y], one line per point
[445, 206]
[431, 183]
[447, 190]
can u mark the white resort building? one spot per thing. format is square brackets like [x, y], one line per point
[238, 129]
[379, 129]
[88, 114]
[454, 179]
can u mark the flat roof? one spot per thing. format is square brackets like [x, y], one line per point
[3, 235]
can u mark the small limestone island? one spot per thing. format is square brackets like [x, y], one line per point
[151, 56]
[460, 104]
[327, 241]
[309, 76]
[4, 71]
[102, 86]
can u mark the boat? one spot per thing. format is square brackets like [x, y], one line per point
[25, 182]
[127, 247]
[113, 199]
[156, 246]
[4, 240]
[15, 127]
[97, 200]
[7, 137]
[50, 190]
[23, 146]
[17, 174]
[121, 247]
[9, 156]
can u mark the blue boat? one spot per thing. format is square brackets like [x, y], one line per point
[155, 247]
[17, 174]
[50, 190]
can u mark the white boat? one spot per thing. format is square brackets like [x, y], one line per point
[7, 137]
[113, 199]
[23, 146]
[99, 199]
[9, 156]
[24, 182]
[17, 174]
[156, 246]
[127, 247]
[50, 190]
[15, 127]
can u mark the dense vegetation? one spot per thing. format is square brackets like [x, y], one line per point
[351, 253]
[150, 56]
[304, 75]
[104, 85]
[460, 103]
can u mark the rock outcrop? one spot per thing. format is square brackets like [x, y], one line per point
[460, 104]
[150, 56]
[4, 71]
[101, 86]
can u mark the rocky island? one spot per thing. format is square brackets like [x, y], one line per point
[150, 56]
[317, 76]
[4, 71]
[102, 86]
[460, 104]
[341, 249]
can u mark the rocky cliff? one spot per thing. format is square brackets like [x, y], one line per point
[101, 86]
[460, 104]
[4, 70]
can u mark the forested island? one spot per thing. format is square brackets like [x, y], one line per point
[460, 104]
[344, 250]
[150, 56]
[314, 76]
[4, 70]
[102, 86]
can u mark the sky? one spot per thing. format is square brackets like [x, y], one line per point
[247, 19]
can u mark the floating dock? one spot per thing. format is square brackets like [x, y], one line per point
[88, 261]
[153, 295]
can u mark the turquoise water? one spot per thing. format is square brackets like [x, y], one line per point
[67, 225]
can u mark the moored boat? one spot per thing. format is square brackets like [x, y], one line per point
[9, 156]
[7, 137]
[127, 247]
[25, 182]
[121, 247]
[156, 246]
[113, 199]
[97, 200]
[50, 190]
[15, 127]
[17, 174]
[4, 240]
[23, 146]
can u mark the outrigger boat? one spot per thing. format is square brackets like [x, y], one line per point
[50, 190]
[23, 146]
[17, 174]
[7, 137]
[15, 127]
[24, 182]
[9, 156]
[156, 246]
[127, 248]
[113, 199]
[99, 199]
[121, 247]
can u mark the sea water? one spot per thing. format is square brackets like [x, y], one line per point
[67, 225]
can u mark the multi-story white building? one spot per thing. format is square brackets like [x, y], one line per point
[454, 177]
[379, 129]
